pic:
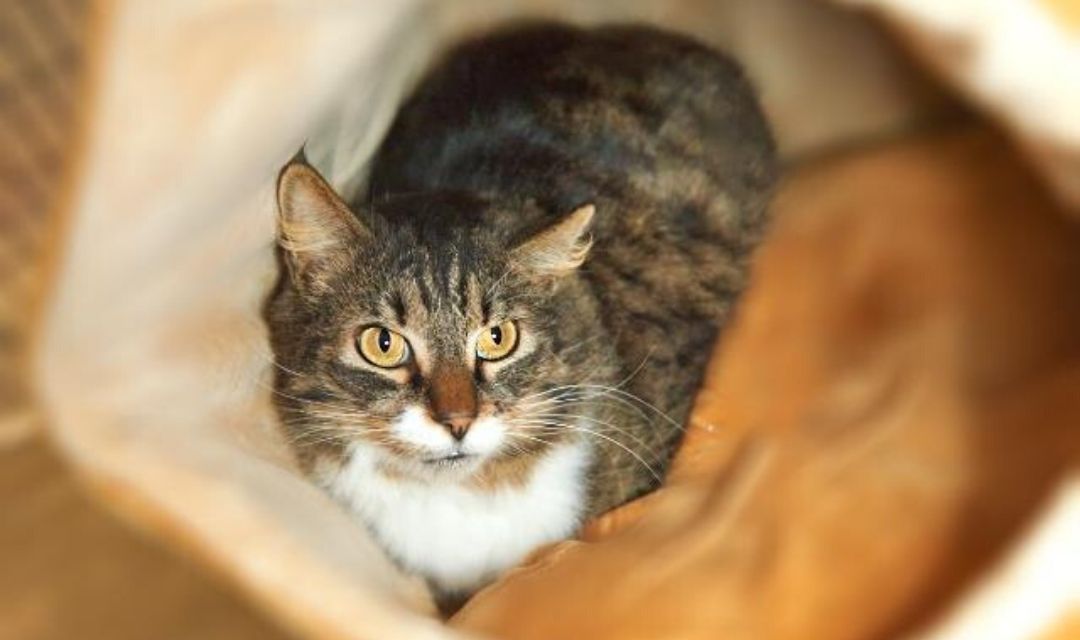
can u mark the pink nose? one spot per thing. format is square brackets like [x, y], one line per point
[456, 423]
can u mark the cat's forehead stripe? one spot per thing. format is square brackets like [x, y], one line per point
[485, 306]
[453, 284]
[461, 290]
[425, 295]
[474, 299]
[414, 311]
[398, 306]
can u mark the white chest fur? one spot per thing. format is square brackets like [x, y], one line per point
[460, 537]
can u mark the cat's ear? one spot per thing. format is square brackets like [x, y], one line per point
[316, 229]
[558, 249]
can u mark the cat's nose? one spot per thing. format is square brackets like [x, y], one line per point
[452, 399]
[456, 423]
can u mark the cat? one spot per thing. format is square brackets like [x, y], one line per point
[502, 336]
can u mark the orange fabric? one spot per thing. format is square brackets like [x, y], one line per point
[1067, 629]
[1066, 13]
[895, 400]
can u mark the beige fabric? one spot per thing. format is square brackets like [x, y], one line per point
[1017, 59]
[155, 362]
[153, 367]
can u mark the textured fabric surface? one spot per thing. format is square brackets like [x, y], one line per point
[41, 56]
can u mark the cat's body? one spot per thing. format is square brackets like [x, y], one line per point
[467, 243]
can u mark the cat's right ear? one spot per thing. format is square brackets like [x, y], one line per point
[316, 229]
[559, 249]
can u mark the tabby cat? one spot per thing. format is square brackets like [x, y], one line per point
[503, 336]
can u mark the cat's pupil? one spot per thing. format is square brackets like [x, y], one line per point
[496, 335]
[384, 341]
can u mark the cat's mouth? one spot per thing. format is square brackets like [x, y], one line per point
[450, 459]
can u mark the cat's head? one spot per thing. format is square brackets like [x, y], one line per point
[430, 329]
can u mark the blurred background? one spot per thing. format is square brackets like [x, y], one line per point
[68, 568]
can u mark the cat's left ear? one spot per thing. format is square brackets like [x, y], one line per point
[558, 249]
[316, 229]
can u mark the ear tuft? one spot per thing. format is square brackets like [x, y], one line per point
[558, 249]
[316, 229]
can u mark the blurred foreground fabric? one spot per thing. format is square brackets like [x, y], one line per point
[888, 443]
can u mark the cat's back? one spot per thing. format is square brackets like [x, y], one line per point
[564, 110]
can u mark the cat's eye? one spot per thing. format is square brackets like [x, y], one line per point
[497, 341]
[382, 347]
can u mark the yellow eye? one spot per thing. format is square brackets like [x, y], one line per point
[497, 342]
[382, 347]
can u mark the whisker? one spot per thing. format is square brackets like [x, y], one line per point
[628, 397]
[579, 428]
[593, 393]
[649, 447]
[637, 369]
